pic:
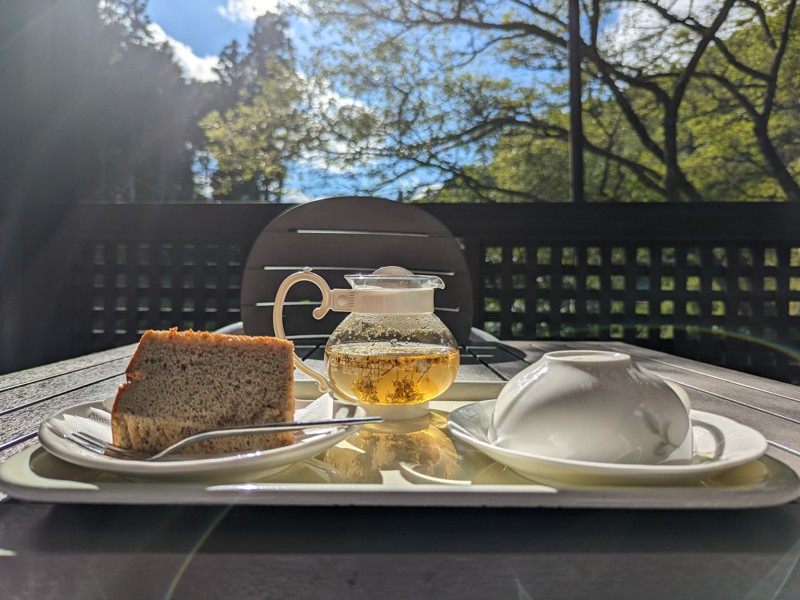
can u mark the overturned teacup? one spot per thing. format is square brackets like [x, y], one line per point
[593, 406]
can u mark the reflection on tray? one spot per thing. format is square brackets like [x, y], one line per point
[421, 442]
[363, 458]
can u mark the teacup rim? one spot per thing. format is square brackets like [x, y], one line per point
[594, 357]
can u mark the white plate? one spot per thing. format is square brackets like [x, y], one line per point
[719, 444]
[261, 463]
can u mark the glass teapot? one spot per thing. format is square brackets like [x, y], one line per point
[391, 352]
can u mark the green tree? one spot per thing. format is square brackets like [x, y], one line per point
[720, 152]
[258, 123]
[455, 84]
[745, 98]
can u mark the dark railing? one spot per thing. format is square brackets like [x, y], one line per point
[716, 282]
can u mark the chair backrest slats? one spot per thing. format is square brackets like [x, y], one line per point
[337, 236]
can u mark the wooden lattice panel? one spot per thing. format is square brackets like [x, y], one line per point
[719, 282]
[135, 287]
[737, 306]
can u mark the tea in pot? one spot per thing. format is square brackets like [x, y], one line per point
[391, 354]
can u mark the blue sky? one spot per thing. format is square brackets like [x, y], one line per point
[200, 29]
[197, 23]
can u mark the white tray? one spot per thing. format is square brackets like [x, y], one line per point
[377, 469]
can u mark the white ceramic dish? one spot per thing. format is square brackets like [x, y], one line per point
[260, 464]
[719, 444]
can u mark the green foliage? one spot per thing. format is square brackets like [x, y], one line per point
[435, 100]
[472, 96]
[252, 141]
[258, 120]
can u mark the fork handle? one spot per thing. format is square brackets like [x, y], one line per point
[264, 428]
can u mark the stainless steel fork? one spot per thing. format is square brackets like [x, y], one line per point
[94, 444]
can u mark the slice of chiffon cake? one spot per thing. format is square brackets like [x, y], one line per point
[183, 382]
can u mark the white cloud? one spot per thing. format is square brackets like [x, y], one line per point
[295, 196]
[199, 68]
[421, 192]
[246, 10]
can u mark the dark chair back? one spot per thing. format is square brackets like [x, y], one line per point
[337, 236]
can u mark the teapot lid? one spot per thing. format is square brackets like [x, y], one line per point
[391, 290]
[393, 278]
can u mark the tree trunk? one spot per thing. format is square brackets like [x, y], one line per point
[676, 187]
[774, 161]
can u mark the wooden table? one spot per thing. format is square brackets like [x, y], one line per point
[86, 550]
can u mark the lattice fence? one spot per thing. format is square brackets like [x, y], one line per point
[715, 282]
[731, 305]
[121, 290]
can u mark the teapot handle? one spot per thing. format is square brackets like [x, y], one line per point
[328, 297]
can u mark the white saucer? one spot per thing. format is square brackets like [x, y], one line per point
[263, 463]
[719, 444]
